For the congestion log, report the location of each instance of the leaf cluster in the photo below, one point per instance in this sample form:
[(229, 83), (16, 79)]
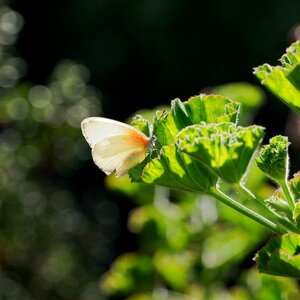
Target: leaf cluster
[(198, 142), (283, 80)]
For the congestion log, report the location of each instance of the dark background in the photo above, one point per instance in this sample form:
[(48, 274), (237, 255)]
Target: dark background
[(145, 53)]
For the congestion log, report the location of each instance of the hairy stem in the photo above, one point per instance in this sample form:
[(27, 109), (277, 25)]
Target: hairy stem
[(288, 195), (246, 211), (281, 222)]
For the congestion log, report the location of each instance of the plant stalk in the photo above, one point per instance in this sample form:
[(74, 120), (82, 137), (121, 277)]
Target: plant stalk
[(288, 195), (246, 211), (281, 222)]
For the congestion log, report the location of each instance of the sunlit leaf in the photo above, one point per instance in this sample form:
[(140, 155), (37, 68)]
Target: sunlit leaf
[(296, 214), (295, 186), (247, 94), (250, 97), (280, 256), (202, 108), (273, 158), (262, 286), (224, 148), (279, 206), (141, 124), (284, 80), (175, 170)]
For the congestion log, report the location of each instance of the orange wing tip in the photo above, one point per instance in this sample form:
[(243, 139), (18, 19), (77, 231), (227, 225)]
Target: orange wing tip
[(139, 139)]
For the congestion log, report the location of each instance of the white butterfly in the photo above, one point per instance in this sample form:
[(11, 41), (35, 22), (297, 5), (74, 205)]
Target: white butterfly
[(116, 146)]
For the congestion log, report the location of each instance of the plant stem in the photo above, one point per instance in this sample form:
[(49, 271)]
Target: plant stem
[(215, 192), (281, 222), (288, 195)]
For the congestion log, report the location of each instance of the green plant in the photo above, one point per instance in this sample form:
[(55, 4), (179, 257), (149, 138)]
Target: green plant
[(201, 148)]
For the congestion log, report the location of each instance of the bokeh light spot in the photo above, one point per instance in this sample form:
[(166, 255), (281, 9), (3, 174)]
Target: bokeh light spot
[(17, 108)]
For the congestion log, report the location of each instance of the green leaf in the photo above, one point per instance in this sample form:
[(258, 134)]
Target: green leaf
[(284, 80), (273, 159), (279, 206), (296, 214), (224, 148), (141, 124), (168, 167), (250, 97), (168, 124), (294, 184), (247, 94), (264, 286), (280, 256), (207, 108), (175, 170)]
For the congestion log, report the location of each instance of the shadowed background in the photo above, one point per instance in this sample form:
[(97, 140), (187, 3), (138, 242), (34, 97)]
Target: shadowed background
[(145, 53)]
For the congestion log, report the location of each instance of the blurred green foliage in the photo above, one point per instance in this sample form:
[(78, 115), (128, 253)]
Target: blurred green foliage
[(190, 247), (50, 248)]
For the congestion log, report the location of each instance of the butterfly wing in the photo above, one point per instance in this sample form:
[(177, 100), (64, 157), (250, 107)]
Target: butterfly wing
[(115, 145), (96, 129), (118, 153)]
